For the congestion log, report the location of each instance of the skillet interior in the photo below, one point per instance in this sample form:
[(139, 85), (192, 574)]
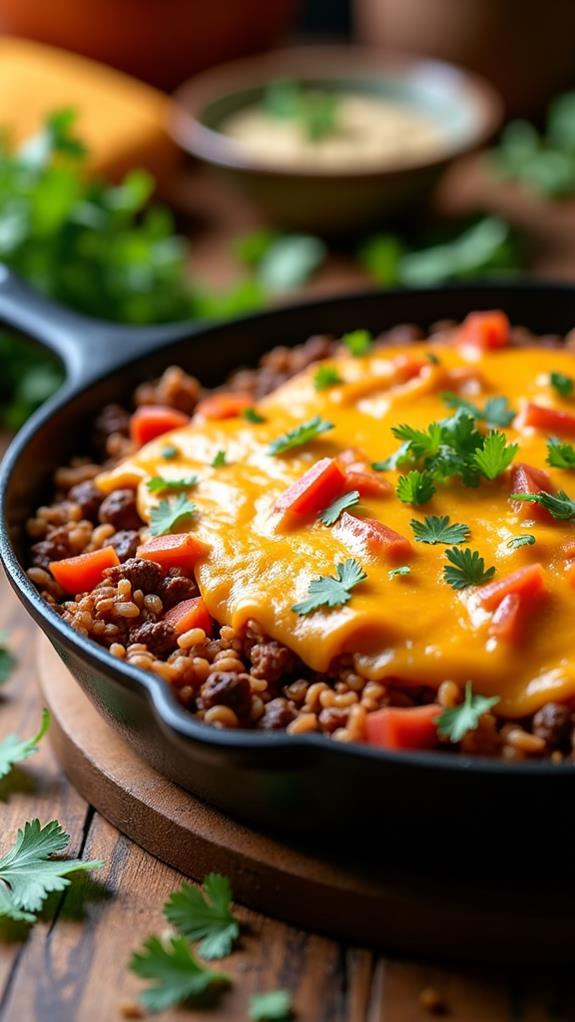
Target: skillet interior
[(305, 784)]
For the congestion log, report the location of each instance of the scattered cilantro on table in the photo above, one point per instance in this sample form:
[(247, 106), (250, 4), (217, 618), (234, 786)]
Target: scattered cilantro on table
[(177, 976), (275, 1006), (300, 435), (327, 591), (560, 454), (205, 915), (438, 529), (7, 659), (455, 722), (466, 568), (169, 513), (558, 504), (14, 749), (544, 162), (325, 377), (159, 485), (331, 514)]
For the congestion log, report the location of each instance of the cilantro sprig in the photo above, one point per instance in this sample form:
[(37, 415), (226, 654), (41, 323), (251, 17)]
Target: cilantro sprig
[(327, 591), (416, 487), (252, 415), (455, 722), (560, 454), (14, 749), (157, 484), (403, 569), (438, 529), (300, 435), (326, 377), (219, 459), (358, 342), (205, 915), (496, 412), (562, 384), (176, 975), (169, 513), (331, 514), (466, 568), (516, 542), (495, 455), (275, 1006), (558, 504)]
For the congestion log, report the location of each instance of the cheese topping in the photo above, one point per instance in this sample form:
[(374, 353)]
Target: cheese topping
[(413, 628)]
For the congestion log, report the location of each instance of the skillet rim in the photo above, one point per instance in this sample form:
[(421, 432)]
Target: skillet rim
[(170, 715)]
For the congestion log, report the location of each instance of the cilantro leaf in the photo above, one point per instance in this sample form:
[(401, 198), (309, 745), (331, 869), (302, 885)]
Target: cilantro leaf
[(169, 513), (7, 660), (467, 568), (422, 443), (495, 455), (358, 342), (170, 452), (273, 1007), (401, 457), (437, 529), (516, 542), (219, 459), (496, 412), (560, 454), (332, 513), (416, 487), (326, 377), (300, 435), (158, 485), (562, 384), (314, 110), (558, 504), (205, 915), (432, 357), (332, 592), (175, 972), (404, 569), (252, 415), (14, 749), (28, 875), (456, 721)]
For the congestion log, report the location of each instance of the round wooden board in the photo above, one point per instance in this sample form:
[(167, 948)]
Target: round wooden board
[(399, 910)]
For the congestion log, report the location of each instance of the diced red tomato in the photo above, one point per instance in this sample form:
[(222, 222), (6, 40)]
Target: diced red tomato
[(379, 539), (527, 582), (80, 574), (484, 330), (189, 614), (367, 483), (552, 420), (314, 491), (150, 421), (408, 368), (508, 619), (529, 479), (403, 728), (180, 549), (224, 406)]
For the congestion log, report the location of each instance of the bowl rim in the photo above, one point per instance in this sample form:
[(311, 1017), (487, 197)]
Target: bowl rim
[(329, 61)]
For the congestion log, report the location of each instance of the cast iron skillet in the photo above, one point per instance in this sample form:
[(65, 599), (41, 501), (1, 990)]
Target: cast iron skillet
[(304, 784)]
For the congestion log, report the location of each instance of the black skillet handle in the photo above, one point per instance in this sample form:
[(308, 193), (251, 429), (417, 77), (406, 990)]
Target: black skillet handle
[(87, 347)]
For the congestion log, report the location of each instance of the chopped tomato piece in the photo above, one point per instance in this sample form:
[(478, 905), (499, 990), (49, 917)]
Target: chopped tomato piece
[(508, 618), (527, 582), (529, 479), (484, 330), (150, 421), (314, 491), (408, 368), (549, 419), (379, 539), (189, 614), (568, 549), (178, 550), (403, 727), (80, 574), (368, 483), (224, 406)]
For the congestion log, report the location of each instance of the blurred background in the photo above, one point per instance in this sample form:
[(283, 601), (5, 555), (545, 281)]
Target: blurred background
[(167, 159)]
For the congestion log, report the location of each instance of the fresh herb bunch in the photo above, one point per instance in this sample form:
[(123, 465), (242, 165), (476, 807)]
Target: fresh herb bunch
[(544, 162)]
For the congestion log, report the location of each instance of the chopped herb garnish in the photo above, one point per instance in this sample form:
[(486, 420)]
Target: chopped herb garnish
[(431, 357), (518, 541), (558, 504), (205, 915), (444, 449), (332, 513), (219, 459), (437, 529), (326, 377), (314, 110), (157, 484), (456, 721), (300, 435), (169, 513), (273, 1007), (7, 660), (175, 972), (170, 452), (496, 412), (562, 384), (327, 591), (401, 457), (251, 415), (495, 455), (416, 487), (560, 454), (358, 342), (422, 443), (404, 569), (467, 568), (14, 749)]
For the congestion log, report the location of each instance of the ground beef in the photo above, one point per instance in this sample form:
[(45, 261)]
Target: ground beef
[(119, 509), (55, 548), (331, 718), (553, 723), (226, 688), (144, 575), (112, 419), (276, 716), (272, 661), (176, 587), (89, 497), (174, 388), (125, 543), (158, 636)]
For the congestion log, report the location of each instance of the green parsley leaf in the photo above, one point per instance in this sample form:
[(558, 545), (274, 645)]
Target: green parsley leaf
[(251, 415), (422, 443), (516, 542), (404, 569), (7, 660), (437, 529), (300, 435), (496, 412), (332, 513), (14, 749), (558, 504), (358, 342), (432, 357), (175, 972), (332, 592), (273, 1007), (560, 454), (495, 455), (158, 485), (219, 459), (169, 513), (326, 377), (401, 457), (467, 568), (170, 452), (205, 915), (456, 721), (416, 487), (28, 875), (562, 384)]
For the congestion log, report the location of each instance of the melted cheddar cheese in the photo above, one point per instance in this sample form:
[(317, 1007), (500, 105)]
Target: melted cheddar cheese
[(415, 628)]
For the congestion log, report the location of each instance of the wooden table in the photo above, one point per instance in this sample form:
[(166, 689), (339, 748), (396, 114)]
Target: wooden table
[(73, 966)]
